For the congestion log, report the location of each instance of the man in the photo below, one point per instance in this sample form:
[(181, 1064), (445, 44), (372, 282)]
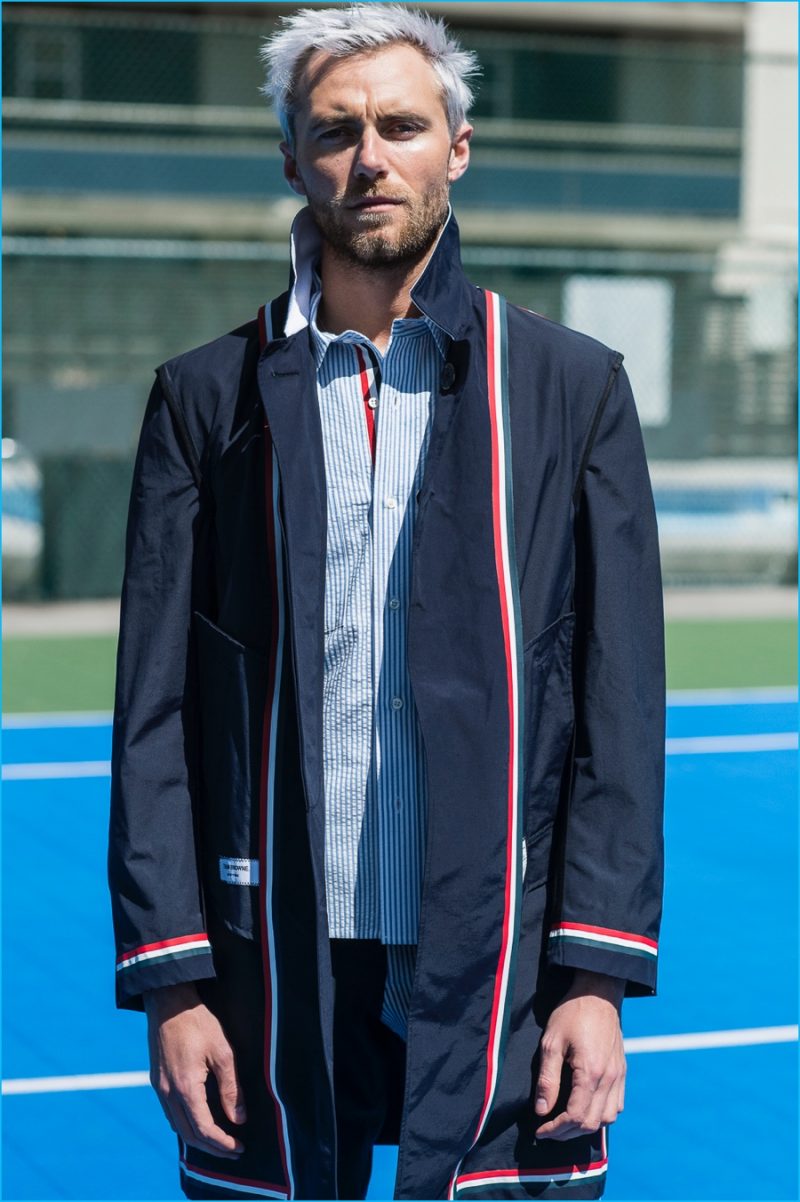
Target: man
[(387, 773)]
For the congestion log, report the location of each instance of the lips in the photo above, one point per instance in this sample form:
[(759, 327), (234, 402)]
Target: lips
[(370, 202)]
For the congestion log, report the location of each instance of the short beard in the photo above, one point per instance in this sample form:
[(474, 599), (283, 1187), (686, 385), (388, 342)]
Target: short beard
[(366, 249)]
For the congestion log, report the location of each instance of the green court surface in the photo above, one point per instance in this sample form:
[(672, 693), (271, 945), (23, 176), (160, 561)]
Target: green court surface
[(50, 674), (735, 653)]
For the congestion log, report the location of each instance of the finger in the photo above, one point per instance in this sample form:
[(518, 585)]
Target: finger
[(616, 1102), (164, 1102), (615, 1095), (603, 1108), (559, 1128), (182, 1126), (548, 1082), (205, 1134), (568, 1123), (223, 1066), (176, 1116), (621, 1103)]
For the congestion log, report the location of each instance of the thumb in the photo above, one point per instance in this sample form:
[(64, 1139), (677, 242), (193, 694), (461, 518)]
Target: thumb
[(549, 1080), (230, 1090)]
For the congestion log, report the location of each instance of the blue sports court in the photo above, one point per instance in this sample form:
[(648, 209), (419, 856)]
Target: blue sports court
[(711, 1102)]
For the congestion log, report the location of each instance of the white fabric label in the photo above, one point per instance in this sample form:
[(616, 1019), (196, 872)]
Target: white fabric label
[(238, 872)]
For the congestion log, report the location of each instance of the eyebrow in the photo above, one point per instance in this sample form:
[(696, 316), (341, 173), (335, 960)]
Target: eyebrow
[(338, 115)]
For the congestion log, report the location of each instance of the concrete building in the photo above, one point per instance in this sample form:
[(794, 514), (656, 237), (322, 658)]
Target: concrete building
[(632, 176)]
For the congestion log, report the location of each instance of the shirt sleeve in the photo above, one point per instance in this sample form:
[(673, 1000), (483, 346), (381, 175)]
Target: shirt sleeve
[(156, 897), (608, 903)]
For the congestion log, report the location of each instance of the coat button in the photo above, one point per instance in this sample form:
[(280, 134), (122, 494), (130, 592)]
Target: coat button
[(447, 378)]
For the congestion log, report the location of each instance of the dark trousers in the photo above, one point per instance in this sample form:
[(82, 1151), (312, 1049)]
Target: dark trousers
[(368, 1062)]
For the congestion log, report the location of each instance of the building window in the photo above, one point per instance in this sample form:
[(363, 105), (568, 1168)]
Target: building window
[(48, 63), (632, 314)]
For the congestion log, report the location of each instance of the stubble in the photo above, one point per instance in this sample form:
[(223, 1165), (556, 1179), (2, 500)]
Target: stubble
[(366, 246)]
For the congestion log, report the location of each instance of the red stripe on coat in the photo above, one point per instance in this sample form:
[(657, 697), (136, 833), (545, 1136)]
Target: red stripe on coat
[(582, 926), (152, 947), (544, 1173)]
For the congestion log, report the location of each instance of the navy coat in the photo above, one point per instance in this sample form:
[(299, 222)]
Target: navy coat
[(535, 648)]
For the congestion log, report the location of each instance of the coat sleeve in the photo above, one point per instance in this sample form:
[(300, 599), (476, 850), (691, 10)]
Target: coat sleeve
[(155, 890), (608, 906)]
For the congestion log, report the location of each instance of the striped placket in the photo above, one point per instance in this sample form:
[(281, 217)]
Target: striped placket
[(375, 411)]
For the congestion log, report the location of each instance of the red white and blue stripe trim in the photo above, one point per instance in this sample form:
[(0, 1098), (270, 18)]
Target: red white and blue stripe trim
[(267, 782), (583, 934), (238, 1185), (508, 588), (563, 1175), (165, 950), (369, 392)]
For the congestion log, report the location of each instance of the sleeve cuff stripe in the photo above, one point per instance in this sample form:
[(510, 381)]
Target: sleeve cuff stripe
[(621, 941), (167, 949)]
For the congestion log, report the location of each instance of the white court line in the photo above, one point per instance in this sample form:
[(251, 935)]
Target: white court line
[(57, 771), (676, 697), (701, 745), (68, 718), (691, 1041), (754, 696), (709, 744), (744, 1038), (77, 1081)]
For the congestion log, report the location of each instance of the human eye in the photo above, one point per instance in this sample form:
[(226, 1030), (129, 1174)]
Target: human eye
[(405, 129), (331, 133)]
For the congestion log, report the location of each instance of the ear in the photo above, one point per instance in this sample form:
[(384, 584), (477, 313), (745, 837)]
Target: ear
[(291, 172), (459, 153)]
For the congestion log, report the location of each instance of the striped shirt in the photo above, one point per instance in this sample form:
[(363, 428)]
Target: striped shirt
[(376, 413)]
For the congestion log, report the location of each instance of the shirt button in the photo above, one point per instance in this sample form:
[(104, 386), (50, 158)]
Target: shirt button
[(397, 703), (394, 603), (390, 503), (397, 803)]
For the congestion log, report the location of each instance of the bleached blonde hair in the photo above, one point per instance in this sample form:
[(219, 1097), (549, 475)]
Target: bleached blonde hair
[(353, 29)]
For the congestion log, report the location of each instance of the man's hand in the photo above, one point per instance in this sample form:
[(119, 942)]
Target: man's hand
[(584, 1032), (187, 1042)]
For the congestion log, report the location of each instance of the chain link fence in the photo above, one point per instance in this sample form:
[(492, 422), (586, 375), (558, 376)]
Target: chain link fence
[(158, 56), (106, 275)]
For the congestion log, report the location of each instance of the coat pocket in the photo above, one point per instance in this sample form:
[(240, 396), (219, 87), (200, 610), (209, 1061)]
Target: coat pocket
[(232, 681), (549, 723), (536, 857)]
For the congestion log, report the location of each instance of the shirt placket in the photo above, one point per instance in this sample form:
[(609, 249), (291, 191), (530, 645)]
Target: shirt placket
[(369, 383), (396, 429), (354, 902)]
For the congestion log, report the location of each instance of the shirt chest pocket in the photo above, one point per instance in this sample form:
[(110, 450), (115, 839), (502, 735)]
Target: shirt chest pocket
[(346, 567)]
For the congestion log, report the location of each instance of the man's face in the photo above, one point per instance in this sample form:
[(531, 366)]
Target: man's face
[(373, 154)]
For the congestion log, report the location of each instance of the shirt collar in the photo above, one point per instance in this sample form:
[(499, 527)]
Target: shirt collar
[(304, 295)]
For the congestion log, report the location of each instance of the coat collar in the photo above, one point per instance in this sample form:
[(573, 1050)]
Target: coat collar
[(442, 291)]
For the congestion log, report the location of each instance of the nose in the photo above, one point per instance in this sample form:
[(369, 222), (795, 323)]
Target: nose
[(370, 159)]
